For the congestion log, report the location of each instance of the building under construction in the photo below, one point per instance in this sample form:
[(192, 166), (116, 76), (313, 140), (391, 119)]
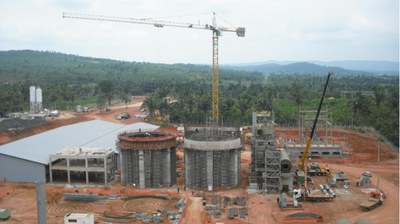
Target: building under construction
[(148, 159), (87, 165), (270, 168), (212, 157), (322, 142)]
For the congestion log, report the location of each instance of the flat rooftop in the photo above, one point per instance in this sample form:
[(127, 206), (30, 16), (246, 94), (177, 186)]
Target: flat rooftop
[(84, 151)]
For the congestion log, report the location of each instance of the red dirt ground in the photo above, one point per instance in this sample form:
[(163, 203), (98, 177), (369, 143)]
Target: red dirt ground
[(21, 200)]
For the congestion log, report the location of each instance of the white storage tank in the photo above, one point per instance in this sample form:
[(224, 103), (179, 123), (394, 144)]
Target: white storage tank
[(38, 99), (32, 98), (79, 218)]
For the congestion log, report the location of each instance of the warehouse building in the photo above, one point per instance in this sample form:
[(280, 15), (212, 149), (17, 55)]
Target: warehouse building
[(27, 160)]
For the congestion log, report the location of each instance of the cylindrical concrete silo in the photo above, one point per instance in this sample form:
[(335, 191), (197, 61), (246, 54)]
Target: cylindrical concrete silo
[(212, 157), (148, 159), (32, 99), (39, 101)]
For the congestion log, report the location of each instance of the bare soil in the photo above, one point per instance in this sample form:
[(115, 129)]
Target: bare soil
[(20, 198)]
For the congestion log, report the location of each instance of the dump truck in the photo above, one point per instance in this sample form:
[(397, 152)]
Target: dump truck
[(375, 199)]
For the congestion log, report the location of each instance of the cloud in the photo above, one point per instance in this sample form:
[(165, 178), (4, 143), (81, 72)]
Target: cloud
[(280, 30)]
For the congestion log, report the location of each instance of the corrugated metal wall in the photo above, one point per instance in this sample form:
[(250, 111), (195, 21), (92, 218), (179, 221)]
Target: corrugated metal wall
[(19, 170)]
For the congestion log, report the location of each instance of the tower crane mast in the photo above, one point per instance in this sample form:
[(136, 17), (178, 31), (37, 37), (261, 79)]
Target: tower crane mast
[(216, 32)]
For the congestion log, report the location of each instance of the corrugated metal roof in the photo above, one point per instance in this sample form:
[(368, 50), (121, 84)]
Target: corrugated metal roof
[(94, 133)]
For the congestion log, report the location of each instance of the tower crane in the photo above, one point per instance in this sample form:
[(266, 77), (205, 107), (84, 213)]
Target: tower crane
[(216, 32)]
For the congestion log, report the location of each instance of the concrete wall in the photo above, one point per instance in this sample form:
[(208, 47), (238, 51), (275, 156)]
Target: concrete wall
[(19, 170)]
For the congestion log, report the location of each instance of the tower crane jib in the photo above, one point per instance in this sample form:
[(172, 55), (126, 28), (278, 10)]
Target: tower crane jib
[(216, 32)]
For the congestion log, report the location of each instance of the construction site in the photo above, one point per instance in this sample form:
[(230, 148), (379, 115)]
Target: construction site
[(113, 170), (225, 181)]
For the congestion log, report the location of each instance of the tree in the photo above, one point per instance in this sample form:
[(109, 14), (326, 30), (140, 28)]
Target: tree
[(297, 92), (379, 94), (150, 104), (126, 98), (107, 89)]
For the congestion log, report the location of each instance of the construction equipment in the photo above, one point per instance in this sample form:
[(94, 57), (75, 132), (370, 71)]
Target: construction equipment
[(313, 169), (375, 199), (309, 139), (365, 179), (315, 196), (216, 32)]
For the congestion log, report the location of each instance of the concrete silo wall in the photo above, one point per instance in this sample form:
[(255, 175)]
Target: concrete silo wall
[(215, 164)]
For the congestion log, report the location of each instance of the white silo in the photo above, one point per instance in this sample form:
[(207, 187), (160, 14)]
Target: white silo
[(39, 101), (32, 99)]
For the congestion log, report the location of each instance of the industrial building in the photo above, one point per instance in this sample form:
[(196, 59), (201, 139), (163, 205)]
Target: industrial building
[(212, 157), (270, 168), (86, 165), (33, 153), (322, 142), (148, 159), (316, 150)]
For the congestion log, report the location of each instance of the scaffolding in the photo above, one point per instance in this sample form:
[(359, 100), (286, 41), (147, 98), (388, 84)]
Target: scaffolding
[(147, 159), (272, 177), (212, 157), (265, 167)]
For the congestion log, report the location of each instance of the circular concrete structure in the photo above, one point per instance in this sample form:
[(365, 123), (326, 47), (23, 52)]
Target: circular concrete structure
[(148, 159), (212, 157)]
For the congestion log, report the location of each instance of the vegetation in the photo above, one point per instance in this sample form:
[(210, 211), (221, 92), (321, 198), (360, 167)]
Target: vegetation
[(68, 80)]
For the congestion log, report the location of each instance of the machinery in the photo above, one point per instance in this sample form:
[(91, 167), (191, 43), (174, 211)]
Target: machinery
[(340, 177), (309, 139), (313, 169), (375, 199), (216, 32), (365, 179), (283, 201), (315, 196), (324, 194)]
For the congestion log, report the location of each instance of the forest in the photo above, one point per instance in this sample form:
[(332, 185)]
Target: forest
[(69, 80)]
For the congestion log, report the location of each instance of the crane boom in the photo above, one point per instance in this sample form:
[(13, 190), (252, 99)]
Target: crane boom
[(309, 139), (240, 32)]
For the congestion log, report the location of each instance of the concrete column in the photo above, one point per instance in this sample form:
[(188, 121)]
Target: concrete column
[(210, 166), (141, 169), (122, 165), (41, 202), (167, 171), (105, 170), (188, 168), (68, 174), (86, 170), (233, 163), (236, 167), (50, 171)]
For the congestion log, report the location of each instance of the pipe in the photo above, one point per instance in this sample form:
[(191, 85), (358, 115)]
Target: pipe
[(286, 164)]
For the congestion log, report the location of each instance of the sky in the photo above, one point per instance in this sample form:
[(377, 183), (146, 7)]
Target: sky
[(285, 30)]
